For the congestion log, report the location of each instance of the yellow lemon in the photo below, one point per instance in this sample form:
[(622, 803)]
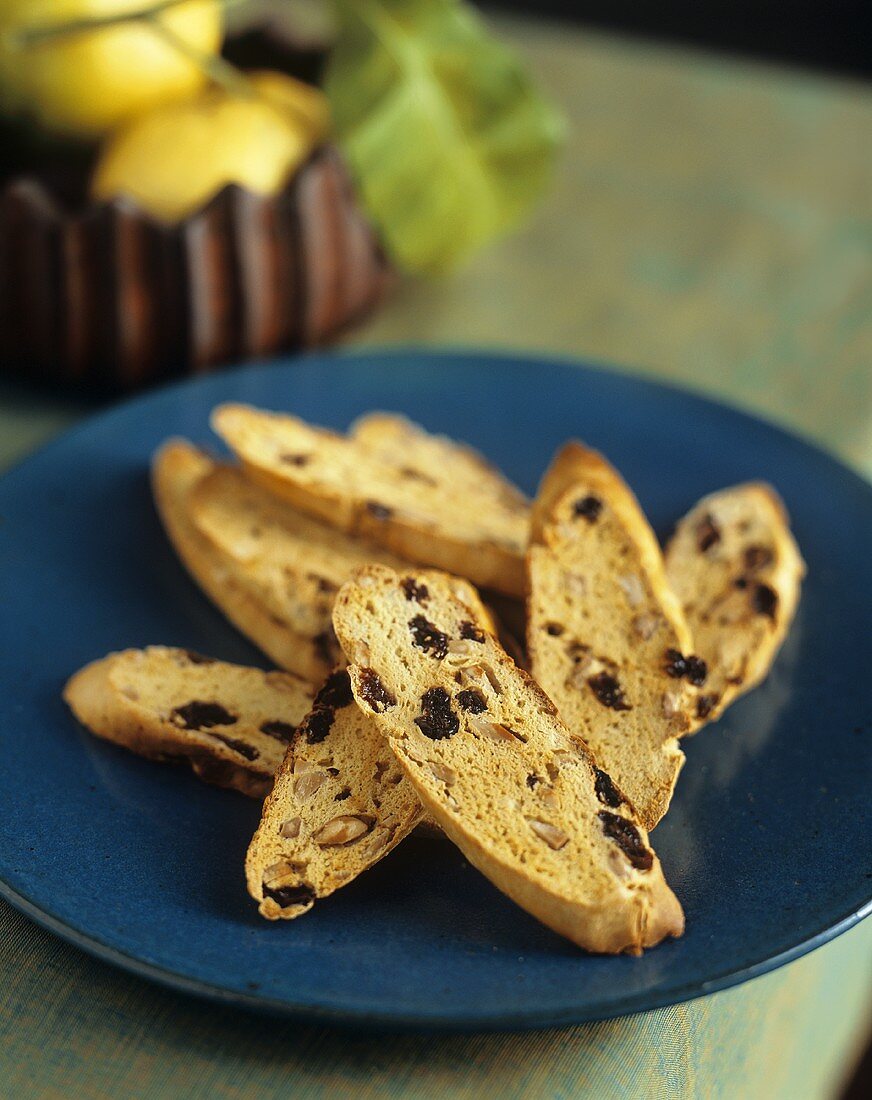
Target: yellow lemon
[(173, 159), (303, 102), (87, 81)]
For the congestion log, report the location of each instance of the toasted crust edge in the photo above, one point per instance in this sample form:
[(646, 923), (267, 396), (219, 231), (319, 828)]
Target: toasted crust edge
[(177, 467)]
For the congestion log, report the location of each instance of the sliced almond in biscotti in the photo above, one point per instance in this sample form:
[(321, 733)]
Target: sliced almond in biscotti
[(607, 639), (177, 469), (340, 803), (294, 563), (424, 509), (497, 769), (231, 724), (737, 570)]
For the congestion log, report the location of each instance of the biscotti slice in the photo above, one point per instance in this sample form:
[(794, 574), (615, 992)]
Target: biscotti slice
[(295, 563), (231, 724), (737, 570), (177, 469), (607, 639), (340, 803), (426, 512), (497, 769), (408, 447)]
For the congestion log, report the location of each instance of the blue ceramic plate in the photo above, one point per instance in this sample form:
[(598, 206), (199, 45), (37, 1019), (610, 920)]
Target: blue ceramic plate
[(767, 841)]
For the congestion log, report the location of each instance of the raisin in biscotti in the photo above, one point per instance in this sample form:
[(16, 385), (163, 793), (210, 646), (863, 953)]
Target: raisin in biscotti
[(737, 570), (340, 803), (294, 563), (607, 638), (231, 724), (496, 768), (432, 512)]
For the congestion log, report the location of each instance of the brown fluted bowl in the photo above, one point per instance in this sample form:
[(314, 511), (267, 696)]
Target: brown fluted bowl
[(107, 297)]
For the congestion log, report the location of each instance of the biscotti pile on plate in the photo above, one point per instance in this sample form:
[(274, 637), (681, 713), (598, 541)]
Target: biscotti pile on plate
[(365, 567)]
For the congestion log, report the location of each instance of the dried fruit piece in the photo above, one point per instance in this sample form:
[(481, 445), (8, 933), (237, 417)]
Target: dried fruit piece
[(286, 896), (588, 507), (379, 511), (553, 836), (341, 830), (437, 720), (373, 692), (625, 834), (336, 691), (757, 557), (708, 534), (427, 636), (281, 731), (242, 747), (765, 600), (198, 715), (693, 669), (705, 704), (290, 828), (472, 701), (470, 632), (554, 629), (605, 789), (334, 694), (608, 691), (317, 724), (414, 591)]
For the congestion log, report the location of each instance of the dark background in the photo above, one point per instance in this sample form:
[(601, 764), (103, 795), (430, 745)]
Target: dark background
[(833, 35)]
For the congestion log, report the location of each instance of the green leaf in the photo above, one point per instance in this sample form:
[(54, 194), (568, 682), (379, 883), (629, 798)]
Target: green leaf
[(448, 139)]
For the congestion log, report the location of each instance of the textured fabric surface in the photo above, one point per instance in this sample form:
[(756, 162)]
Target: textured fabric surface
[(708, 225), (70, 1026)]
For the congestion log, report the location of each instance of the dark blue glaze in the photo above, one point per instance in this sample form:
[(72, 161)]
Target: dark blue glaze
[(767, 842)]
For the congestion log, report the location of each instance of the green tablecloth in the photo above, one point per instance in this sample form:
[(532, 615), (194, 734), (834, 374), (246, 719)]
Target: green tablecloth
[(711, 225)]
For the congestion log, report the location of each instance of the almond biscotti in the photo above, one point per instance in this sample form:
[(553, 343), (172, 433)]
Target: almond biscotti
[(177, 469), (426, 506), (293, 563), (231, 724), (607, 639), (340, 803), (737, 570), (495, 766)]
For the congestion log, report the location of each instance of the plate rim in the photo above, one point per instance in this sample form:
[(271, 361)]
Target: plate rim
[(365, 1019), (456, 1021), (482, 353)]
